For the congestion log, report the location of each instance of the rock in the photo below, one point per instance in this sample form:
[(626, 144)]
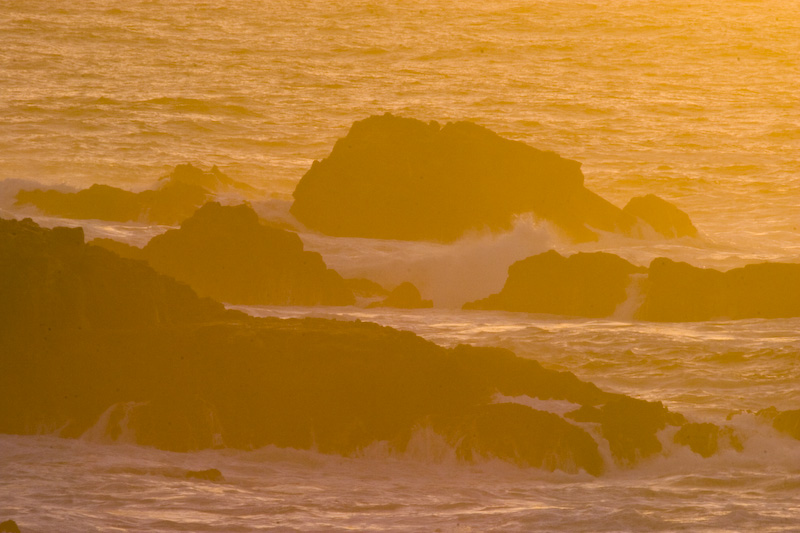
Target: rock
[(706, 439), (210, 180), (101, 344), (523, 436), (399, 178), (9, 526), (50, 278), (788, 422), (212, 474), (404, 296), (630, 426), (365, 288), (225, 253), (584, 284), (662, 216), (169, 204), (681, 292)]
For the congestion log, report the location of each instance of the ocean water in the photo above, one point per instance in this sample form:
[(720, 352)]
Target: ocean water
[(693, 101)]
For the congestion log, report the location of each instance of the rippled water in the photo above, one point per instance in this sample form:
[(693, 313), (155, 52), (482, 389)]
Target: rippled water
[(693, 101)]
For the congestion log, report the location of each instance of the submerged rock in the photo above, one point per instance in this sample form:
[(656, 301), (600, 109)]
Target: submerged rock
[(584, 284), (400, 178), (662, 216), (211, 180), (404, 296), (227, 254), (681, 292)]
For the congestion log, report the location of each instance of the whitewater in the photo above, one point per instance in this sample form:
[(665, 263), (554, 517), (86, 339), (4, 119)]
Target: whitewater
[(694, 102)]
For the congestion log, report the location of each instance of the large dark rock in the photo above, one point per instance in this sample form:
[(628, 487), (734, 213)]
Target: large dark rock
[(225, 253), (51, 279), (681, 292), (584, 284), (404, 296), (662, 216), (94, 342), (183, 190), (400, 178)]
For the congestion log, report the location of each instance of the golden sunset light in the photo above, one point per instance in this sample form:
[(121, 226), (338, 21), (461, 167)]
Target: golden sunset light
[(399, 266)]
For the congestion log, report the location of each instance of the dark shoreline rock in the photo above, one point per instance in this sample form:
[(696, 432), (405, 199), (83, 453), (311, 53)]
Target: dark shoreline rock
[(95, 341), (400, 178)]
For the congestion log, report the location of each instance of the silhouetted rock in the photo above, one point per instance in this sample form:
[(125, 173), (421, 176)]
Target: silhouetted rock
[(630, 426), (9, 526), (663, 216), (399, 178), (681, 292), (226, 254), (524, 436), (212, 474), (170, 204), (181, 192), (51, 278), (705, 439), (365, 288), (211, 180), (584, 284), (404, 296), (94, 342)]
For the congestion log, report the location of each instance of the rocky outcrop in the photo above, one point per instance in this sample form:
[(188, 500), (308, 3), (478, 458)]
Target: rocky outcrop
[(94, 342), (400, 178), (404, 296), (51, 279), (225, 253), (681, 292), (584, 284), (183, 190), (664, 217)]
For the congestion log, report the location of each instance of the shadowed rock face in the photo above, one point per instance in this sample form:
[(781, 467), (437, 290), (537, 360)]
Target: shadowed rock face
[(662, 216), (225, 253), (585, 284), (681, 292), (184, 190), (706, 439), (399, 178), (94, 341), (404, 296)]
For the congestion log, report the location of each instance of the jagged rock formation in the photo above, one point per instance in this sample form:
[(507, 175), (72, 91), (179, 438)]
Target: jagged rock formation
[(404, 296), (92, 341), (400, 178), (184, 190), (681, 292), (662, 216), (225, 253), (584, 284)]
